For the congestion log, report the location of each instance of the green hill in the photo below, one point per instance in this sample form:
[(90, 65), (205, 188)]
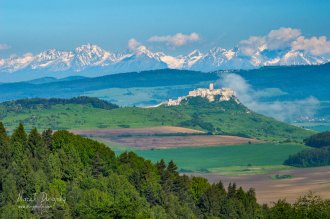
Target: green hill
[(226, 117)]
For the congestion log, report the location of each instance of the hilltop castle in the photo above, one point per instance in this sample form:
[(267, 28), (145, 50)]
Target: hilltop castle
[(223, 94)]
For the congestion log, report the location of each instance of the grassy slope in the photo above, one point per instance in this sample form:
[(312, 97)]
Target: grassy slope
[(225, 117), (232, 118), (73, 116)]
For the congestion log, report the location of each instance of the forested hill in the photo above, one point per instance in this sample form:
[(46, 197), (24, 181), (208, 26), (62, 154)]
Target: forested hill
[(225, 118), (61, 175), (34, 103)]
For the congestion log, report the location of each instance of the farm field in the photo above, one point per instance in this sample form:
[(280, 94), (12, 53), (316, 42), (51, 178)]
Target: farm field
[(193, 151), (295, 183), (161, 137), (207, 159), (164, 142)]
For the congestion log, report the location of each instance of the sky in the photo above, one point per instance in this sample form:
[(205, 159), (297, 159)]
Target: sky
[(172, 26)]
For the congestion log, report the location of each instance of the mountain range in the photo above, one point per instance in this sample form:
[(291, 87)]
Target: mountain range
[(91, 60)]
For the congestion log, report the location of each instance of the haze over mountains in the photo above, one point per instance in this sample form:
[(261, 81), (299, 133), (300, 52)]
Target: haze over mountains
[(92, 60)]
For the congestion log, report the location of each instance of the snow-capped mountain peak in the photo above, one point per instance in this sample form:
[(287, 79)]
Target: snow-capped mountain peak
[(195, 53), (53, 59), (142, 58), (193, 57), (91, 48), (92, 55), (143, 50)]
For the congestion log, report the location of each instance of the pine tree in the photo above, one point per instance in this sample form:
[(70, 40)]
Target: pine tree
[(221, 188), (19, 135), (3, 132), (18, 142), (35, 144), (161, 166), (231, 190), (5, 153), (172, 168), (47, 137), (98, 166)]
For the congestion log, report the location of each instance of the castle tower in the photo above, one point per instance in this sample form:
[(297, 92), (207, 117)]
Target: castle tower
[(211, 87)]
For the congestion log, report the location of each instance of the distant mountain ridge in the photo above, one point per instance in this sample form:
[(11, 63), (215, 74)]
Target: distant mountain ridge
[(92, 60), (69, 87), (308, 81)]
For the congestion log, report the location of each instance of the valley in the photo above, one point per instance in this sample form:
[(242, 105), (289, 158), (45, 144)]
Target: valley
[(248, 164)]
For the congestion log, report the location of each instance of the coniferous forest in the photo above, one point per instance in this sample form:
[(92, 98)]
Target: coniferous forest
[(62, 175)]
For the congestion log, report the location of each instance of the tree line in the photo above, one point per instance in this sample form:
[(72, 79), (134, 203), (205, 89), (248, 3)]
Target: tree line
[(32, 103), (319, 155), (62, 175)]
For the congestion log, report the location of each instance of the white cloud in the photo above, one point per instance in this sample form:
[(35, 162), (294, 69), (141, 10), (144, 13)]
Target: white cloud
[(252, 45), (281, 110), (313, 45), (176, 40), (282, 38), (275, 39), (285, 38), (4, 46), (133, 44)]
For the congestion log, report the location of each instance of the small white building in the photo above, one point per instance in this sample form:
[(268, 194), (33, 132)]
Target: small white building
[(211, 87)]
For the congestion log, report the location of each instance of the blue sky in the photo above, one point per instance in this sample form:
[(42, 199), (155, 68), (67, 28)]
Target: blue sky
[(36, 25)]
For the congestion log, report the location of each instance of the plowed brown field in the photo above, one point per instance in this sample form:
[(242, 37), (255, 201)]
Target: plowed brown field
[(162, 137)]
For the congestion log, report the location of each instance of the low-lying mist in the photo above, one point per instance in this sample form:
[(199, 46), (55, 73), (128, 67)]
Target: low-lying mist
[(281, 110)]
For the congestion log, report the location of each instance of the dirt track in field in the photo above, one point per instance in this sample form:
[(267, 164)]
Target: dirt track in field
[(149, 142), (269, 190), (136, 131), (171, 137)]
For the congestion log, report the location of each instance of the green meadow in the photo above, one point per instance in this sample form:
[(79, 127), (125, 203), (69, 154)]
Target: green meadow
[(227, 160)]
